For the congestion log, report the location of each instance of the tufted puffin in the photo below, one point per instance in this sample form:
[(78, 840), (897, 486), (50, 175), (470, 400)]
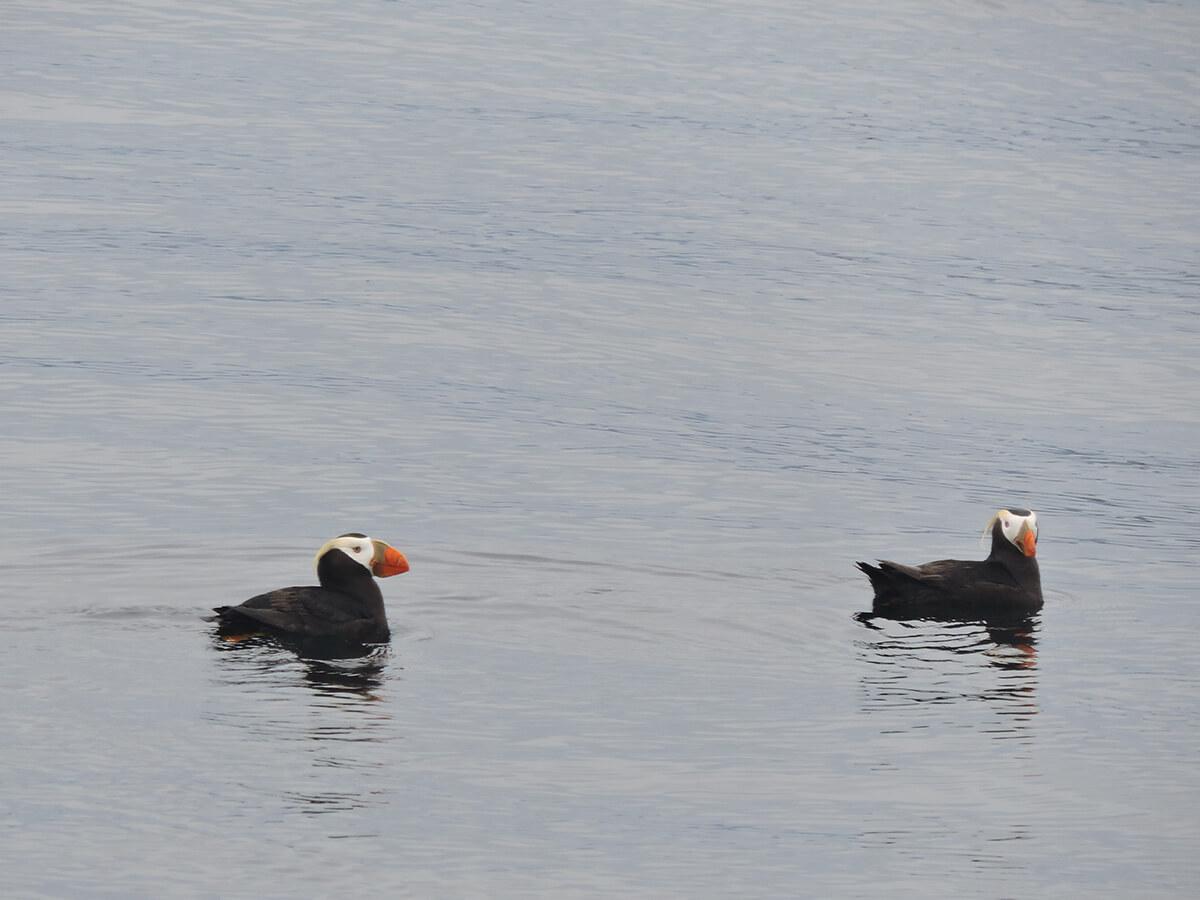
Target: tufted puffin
[(348, 604), (1007, 583)]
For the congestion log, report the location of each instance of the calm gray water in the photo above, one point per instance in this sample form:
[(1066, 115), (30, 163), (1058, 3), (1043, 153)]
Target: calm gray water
[(633, 325)]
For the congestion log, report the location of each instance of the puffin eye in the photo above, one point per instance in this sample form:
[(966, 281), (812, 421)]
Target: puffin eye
[(358, 549)]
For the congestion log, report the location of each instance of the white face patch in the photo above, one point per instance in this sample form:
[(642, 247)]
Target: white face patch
[(359, 549), (1011, 523)]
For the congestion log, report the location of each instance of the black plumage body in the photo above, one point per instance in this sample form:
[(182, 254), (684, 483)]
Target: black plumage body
[(1007, 583), (347, 605)]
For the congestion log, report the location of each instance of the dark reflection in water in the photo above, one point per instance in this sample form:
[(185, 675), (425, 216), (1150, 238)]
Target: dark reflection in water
[(951, 661), (1011, 640), (329, 666), (329, 678), (321, 697)]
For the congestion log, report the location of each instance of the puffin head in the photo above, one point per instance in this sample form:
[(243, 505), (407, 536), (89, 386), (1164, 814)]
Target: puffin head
[(377, 557), (1019, 526)]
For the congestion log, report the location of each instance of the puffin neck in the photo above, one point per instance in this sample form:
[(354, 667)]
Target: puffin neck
[(1002, 546), (1004, 550), (337, 570)]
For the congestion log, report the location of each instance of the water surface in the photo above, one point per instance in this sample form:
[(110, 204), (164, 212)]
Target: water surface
[(633, 327)]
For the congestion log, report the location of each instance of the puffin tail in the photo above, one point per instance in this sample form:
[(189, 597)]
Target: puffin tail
[(878, 577)]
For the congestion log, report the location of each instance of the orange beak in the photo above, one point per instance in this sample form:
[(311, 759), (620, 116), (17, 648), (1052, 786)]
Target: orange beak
[(388, 561), (1028, 543)]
